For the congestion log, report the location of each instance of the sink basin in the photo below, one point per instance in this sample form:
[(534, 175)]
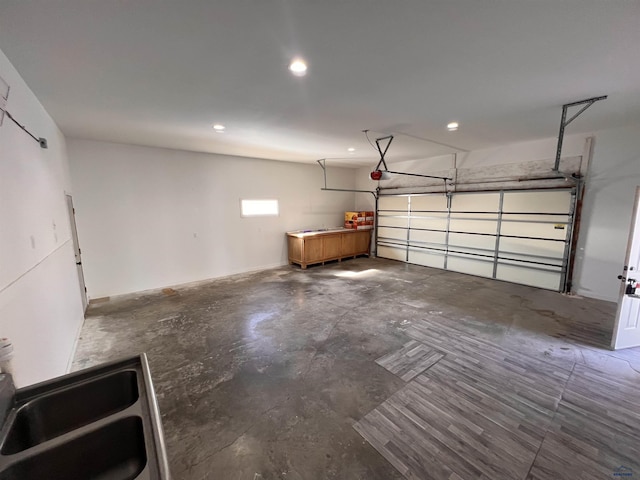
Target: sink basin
[(89, 456), (52, 415), (101, 423)]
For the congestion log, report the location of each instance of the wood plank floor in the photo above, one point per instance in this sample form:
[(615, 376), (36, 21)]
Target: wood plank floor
[(412, 359), (482, 411), (596, 429)]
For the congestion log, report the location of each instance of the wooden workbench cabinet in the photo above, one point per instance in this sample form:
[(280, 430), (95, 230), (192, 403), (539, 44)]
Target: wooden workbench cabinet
[(308, 248)]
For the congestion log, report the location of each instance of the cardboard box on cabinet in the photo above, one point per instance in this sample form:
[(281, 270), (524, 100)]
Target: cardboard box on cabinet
[(350, 216), (358, 226), (359, 217)]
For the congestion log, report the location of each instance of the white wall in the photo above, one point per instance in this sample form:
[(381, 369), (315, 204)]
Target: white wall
[(150, 217), (40, 303), (608, 206), (614, 173)]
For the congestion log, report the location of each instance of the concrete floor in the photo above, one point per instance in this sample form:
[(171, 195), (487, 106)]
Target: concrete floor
[(262, 376)]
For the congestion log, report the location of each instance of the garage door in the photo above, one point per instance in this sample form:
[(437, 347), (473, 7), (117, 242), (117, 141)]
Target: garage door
[(518, 236)]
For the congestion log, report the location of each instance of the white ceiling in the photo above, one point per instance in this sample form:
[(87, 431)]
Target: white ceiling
[(160, 73)]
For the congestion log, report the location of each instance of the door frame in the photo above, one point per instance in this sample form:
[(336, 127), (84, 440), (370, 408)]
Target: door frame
[(76, 250), (625, 275)]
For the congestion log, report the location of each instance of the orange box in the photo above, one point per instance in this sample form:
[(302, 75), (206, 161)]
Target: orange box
[(359, 217), (351, 216), (357, 226)]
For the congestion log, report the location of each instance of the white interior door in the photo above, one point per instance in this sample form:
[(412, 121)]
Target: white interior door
[(626, 332), (76, 250)]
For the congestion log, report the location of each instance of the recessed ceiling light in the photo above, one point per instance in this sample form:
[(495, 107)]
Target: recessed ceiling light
[(218, 127), (452, 127), (351, 149), (298, 67)]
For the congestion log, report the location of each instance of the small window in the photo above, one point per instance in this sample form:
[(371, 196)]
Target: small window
[(259, 208)]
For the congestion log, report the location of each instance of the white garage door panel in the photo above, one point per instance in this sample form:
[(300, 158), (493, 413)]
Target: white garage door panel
[(538, 230), (396, 233), (431, 223), (529, 229), (426, 258), (394, 253), (527, 276), (527, 262), (544, 201), (533, 218), (429, 203), (474, 216), (393, 203), (421, 236), (475, 202), (470, 265), (525, 246), (384, 221), (473, 226), (473, 253), (478, 241)]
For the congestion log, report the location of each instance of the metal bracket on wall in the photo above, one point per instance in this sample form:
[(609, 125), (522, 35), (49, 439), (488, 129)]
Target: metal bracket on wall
[(322, 163), (564, 122), (4, 97), (42, 141)]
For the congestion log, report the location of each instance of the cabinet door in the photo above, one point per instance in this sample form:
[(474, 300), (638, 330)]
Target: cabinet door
[(349, 244), (332, 246), (295, 248), (362, 241), (313, 250)]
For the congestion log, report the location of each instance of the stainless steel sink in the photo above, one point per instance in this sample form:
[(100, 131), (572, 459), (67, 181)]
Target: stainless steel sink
[(100, 423), (51, 415), (115, 451)]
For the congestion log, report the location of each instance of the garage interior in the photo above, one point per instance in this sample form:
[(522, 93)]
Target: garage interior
[(485, 323)]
